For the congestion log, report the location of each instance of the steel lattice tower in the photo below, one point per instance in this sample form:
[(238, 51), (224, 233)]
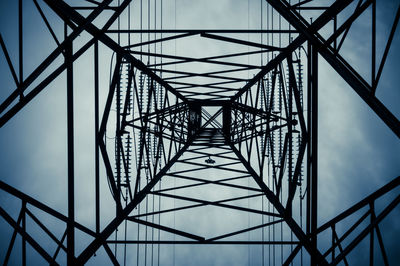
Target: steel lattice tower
[(195, 146)]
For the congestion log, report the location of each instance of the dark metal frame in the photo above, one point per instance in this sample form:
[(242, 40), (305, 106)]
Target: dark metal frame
[(169, 113)]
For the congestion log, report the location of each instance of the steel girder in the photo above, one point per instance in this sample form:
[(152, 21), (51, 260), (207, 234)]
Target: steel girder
[(360, 86), (308, 33)]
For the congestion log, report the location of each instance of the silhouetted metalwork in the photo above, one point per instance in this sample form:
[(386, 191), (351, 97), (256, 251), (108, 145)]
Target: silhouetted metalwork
[(264, 130)]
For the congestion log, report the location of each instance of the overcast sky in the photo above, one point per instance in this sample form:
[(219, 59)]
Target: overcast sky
[(357, 152)]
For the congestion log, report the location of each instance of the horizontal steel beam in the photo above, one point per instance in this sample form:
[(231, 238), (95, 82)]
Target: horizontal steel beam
[(199, 31), (170, 242)]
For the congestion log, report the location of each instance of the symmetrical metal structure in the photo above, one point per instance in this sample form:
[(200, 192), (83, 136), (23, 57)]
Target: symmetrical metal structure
[(241, 129)]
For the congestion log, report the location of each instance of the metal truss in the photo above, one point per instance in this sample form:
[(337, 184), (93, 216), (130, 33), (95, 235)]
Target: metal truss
[(260, 143)]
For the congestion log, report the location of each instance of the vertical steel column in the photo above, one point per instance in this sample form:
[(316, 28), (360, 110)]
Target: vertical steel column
[(335, 29), (118, 133), (194, 119), (116, 143), (312, 153), (373, 46), (23, 221), (290, 138), (96, 134), (371, 235), (227, 121), (20, 47), (70, 141), (308, 174)]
